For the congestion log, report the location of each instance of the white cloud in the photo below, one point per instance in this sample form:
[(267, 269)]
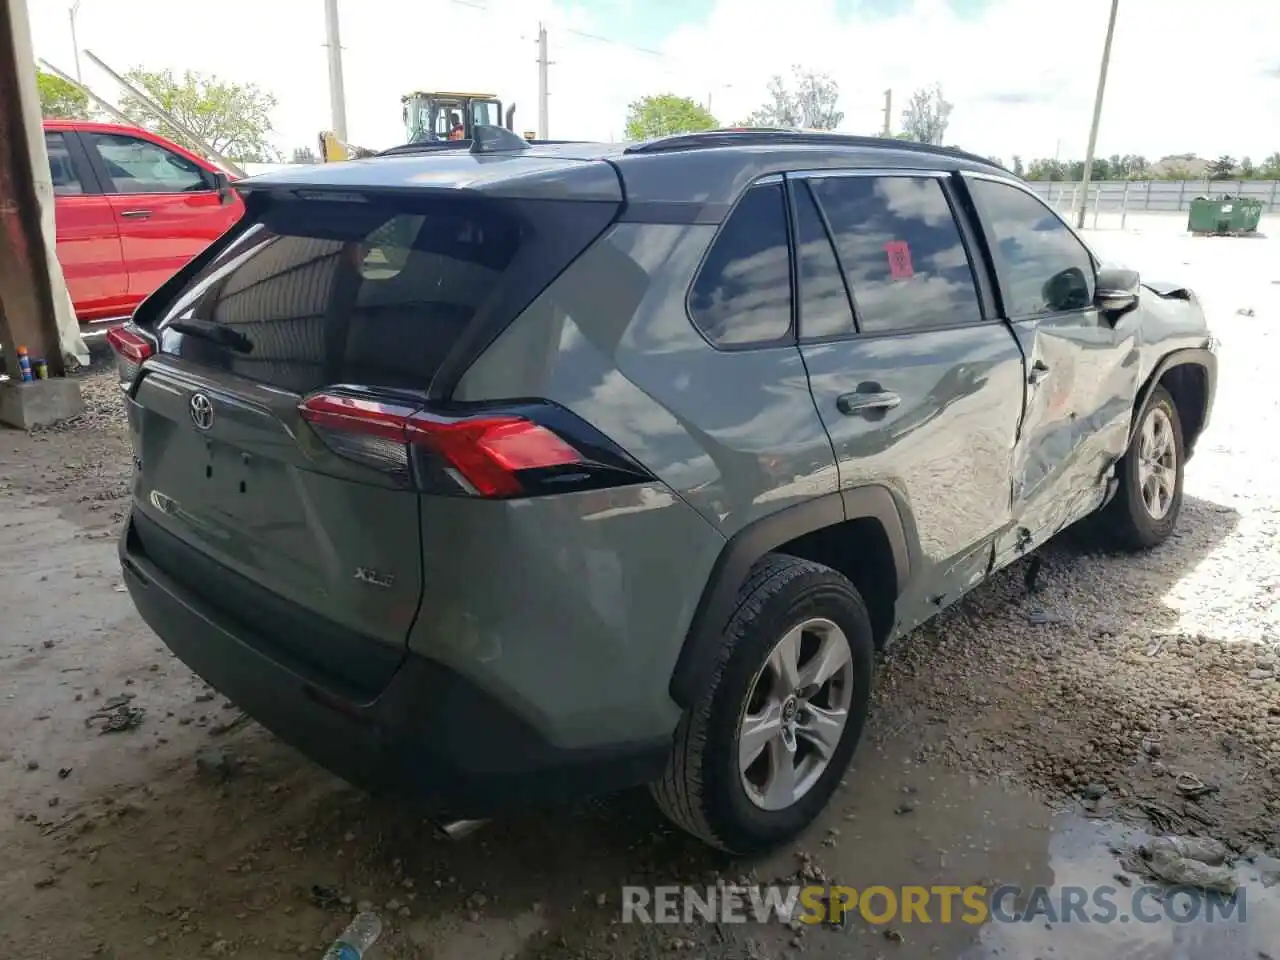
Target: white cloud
[(1183, 78)]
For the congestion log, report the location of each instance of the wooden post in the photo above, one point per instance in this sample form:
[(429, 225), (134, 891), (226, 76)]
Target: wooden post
[(27, 315)]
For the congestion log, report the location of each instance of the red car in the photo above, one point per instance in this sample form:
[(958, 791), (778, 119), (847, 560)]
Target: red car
[(132, 207)]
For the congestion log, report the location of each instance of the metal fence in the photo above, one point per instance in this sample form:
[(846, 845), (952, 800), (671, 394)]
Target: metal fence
[(1155, 196)]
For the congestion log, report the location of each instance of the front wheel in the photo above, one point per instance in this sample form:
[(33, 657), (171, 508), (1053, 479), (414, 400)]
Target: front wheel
[(1145, 509), (756, 759)]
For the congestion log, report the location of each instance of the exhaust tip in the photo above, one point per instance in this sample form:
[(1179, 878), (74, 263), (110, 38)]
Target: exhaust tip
[(459, 829)]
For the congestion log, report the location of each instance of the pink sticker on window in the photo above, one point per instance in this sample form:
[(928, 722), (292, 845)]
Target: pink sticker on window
[(899, 260)]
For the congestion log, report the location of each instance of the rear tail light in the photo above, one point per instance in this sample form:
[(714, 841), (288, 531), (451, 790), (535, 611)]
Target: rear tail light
[(129, 344), (489, 452), (130, 347), (499, 452)]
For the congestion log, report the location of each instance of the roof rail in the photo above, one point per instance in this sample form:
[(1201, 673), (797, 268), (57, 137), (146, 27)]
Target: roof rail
[(774, 136), (425, 146), (441, 146)]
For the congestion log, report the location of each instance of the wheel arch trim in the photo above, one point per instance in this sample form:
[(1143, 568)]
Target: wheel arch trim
[(1201, 357), (698, 654)]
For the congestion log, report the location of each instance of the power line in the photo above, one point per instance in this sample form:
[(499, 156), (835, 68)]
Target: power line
[(584, 34), (614, 43)]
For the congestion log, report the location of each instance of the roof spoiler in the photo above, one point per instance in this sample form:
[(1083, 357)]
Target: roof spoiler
[(490, 139)]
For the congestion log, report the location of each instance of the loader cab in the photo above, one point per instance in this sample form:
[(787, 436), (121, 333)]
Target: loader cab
[(431, 116)]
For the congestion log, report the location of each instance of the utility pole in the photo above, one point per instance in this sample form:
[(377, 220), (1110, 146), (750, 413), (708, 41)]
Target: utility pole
[(1097, 116), (888, 109), (337, 95), (544, 94), (75, 45)]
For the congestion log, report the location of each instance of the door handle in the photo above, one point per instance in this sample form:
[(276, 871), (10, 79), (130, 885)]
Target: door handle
[(1039, 370), (135, 214), (857, 402)]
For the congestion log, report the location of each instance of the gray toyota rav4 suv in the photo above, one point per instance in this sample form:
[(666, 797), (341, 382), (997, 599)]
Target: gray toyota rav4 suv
[(525, 472)]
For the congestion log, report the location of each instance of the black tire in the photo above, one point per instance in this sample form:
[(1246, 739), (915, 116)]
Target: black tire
[(702, 790), (1126, 522)]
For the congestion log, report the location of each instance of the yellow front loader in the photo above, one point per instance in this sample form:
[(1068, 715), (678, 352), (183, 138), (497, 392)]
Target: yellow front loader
[(431, 117)]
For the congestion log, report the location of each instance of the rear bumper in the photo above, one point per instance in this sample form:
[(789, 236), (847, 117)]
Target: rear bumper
[(430, 732)]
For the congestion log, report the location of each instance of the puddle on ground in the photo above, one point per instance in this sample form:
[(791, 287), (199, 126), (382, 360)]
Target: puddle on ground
[(902, 824), (1143, 921)]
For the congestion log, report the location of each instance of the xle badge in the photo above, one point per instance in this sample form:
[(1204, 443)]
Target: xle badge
[(373, 577)]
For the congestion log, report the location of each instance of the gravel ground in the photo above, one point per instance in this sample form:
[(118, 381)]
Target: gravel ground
[(196, 834)]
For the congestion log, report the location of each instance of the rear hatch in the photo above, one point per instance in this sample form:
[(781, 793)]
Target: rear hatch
[(274, 416)]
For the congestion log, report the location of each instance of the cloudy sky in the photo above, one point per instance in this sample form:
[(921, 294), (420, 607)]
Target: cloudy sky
[(1186, 75)]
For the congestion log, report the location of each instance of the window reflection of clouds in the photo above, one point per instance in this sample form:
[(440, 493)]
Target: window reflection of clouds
[(914, 198), (743, 292), (1033, 246), (824, 303), (868, 212)]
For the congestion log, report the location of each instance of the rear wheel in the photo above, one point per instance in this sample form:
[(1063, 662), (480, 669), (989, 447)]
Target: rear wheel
[(1145, 509), (757, 758)]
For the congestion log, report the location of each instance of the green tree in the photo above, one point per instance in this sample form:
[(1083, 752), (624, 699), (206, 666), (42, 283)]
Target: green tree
[(304, 155), (1047, 170), (1018, 169), (810, 102), (664, 114), (1222, 168), (1271, 167), (60, 100), (233, 118), (1248, 169), (1135, 167), (927, 115)]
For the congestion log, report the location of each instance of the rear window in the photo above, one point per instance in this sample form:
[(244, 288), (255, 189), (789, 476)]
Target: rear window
[(324, 291)]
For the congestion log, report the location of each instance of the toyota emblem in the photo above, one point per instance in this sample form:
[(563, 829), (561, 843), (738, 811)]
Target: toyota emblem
[(201, 411)]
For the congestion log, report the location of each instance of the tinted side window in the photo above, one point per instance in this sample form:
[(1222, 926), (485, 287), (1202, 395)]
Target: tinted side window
[(1043, 267), (140, 166), (63, 171), (901, 252), (824, 302), (743, 292)]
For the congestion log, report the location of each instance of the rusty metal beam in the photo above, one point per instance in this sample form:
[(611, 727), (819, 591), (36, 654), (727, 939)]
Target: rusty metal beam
[(27, 314)]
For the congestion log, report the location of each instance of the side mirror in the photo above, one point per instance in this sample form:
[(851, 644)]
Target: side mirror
[(1117, 290), (222, 184)]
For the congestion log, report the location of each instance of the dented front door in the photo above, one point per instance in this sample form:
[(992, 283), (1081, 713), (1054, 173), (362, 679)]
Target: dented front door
[(1080, 365)]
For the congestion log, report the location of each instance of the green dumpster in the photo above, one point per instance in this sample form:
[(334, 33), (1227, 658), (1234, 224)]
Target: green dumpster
[(1224, 215)]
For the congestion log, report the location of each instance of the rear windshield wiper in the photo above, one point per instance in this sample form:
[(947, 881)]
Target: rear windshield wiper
[(222, 336)]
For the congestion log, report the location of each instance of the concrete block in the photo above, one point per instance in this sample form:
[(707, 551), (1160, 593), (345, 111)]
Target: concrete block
[(40, 402)]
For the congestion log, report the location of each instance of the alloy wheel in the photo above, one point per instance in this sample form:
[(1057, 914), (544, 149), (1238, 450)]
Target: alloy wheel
[(1157, 464), (795, 714)]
